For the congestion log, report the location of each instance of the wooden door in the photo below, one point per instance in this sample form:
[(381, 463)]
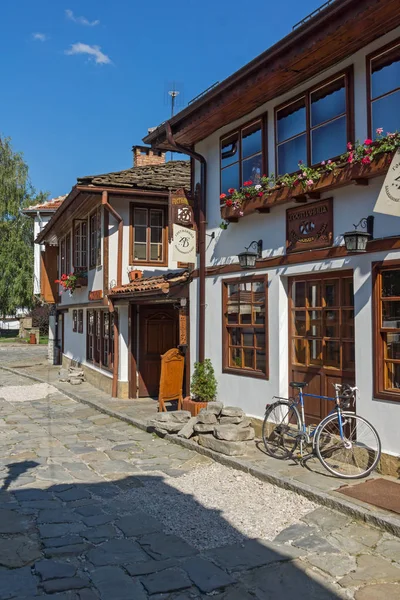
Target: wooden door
[(321, 332), (158, 332)]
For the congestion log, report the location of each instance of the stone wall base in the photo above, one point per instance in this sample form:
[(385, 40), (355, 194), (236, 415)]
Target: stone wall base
[(99, 380)]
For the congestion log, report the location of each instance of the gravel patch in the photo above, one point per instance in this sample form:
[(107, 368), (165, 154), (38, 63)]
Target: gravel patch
[(215, 506), (26, 393)]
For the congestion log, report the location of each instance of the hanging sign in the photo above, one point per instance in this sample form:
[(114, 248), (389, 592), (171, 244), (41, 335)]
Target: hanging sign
[(95, 295), (388, 201), (310, 226), (183, 244)]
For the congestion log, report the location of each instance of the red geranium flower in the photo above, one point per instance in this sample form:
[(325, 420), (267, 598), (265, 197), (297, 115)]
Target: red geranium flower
[(228, 203), (231, 190), (368, 142), (222, 196), (366, 160), (260, 194)]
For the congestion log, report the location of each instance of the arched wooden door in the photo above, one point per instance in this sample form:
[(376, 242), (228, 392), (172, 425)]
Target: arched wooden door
[(158, 332)]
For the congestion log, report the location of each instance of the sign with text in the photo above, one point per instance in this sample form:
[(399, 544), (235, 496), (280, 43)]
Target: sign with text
[(96, 295), (183, 244), (388, 201), (310, 226)]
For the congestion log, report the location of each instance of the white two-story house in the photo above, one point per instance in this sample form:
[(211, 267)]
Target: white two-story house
[(122, 301), (304, 306)]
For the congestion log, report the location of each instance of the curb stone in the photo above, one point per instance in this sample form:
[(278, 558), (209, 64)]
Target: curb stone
[(383, 522)]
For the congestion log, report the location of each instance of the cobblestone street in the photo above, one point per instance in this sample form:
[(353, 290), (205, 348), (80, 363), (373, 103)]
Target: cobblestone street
[(91, 507)]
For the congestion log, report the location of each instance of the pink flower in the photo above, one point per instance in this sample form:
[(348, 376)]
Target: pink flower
[(241, 213), (391, 135), (351, 158), (329, 162), (310, 182), (379, 131), (366, 160), (304, 174), (323, 162), (349, 146), (260, 194), (222, 196), (368, 142)]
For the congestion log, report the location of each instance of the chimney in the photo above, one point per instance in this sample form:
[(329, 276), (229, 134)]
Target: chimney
[(144, 156)]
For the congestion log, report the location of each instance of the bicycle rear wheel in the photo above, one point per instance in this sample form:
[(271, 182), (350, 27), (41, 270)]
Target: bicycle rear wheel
[(280, 429), (352, 457)]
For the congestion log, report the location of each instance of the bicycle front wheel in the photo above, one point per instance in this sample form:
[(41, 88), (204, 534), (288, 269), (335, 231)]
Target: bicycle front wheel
[(355, 454), (280, 429)]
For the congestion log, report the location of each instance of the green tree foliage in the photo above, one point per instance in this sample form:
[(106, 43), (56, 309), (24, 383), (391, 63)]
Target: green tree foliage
[(16, 231), (204, 384)]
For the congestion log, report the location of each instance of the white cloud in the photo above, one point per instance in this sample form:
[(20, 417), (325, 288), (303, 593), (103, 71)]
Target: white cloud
[(94, 53), (39, 37), (80, 20)]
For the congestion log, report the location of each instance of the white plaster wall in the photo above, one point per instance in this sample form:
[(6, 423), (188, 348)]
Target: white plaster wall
[(38, 225)]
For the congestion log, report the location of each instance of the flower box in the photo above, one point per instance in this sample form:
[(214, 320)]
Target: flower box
[(81, 282), (192, 406)]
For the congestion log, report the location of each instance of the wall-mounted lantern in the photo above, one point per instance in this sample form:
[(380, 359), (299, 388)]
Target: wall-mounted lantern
[(247, 260), (356, 241)]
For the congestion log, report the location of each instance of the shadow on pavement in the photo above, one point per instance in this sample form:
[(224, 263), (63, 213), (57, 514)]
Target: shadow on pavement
[(15, 470)]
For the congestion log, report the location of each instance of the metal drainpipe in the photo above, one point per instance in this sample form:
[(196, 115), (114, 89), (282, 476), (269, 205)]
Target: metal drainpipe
[(202, 235)]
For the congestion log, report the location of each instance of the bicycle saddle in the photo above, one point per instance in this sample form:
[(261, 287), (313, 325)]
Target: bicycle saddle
[(298, 384)]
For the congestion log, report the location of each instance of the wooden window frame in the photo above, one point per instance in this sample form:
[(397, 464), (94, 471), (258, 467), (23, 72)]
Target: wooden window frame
[(370, 57), (98, 338), (348, 74), (263, 119), (94, 236), (247, 372), (65, 254), (148, 262), (74, 320), (80, 320), (80, 254), (378, 343)]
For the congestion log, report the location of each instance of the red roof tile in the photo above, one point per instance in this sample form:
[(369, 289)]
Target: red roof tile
[(157, 283), (50, 205)]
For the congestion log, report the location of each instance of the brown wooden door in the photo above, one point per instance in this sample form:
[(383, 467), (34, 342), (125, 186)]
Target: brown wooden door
[(321, 331), (158, 332)]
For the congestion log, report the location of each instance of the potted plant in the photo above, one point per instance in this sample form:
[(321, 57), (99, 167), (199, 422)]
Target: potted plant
[(203, 387), (81, 277), (68, 282), (134, 274)]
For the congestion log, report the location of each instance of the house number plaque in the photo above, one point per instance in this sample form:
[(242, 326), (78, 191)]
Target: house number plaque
[(309, 226)]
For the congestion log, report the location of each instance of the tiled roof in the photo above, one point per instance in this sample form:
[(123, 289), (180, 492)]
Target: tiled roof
[(50, 205), (157, 283), (173, 174)]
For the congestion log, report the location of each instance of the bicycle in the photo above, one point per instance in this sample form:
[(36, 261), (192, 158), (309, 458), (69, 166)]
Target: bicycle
[(347, 445)]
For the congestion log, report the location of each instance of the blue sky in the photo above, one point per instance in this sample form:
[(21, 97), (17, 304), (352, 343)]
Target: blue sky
[(83, 80)]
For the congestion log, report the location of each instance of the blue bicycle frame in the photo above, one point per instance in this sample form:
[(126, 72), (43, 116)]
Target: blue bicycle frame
[(337, 410)]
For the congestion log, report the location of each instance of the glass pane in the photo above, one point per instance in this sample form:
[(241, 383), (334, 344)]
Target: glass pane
[(328, 141), (391, 314), (385, 74), (347, 292), (315, 323), (156, 235), (251, 170), (314, 294), (348, 324), (245, 318), (155, 252), (258, 288), (106, 324), (392, 376), (299, 347), (139, 252), (386, 114), (156, 218), (300, 322), (260, 361), (393, 346), (248, 358), (230, 178), (248, 336), (391, 283), (260, 340), (234, 336), (291, 120), (331, 323), (328, 102), (140, 216), (235, 357), (230, 150), (259, 315), (315, 352), (331, 293), (299, 293), (332, 354), (251, 140), (348, 356), (290, 153), (140, 234)]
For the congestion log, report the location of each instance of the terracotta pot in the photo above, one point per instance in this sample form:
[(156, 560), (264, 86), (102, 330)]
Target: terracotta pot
[(135, 274), (192, 406)]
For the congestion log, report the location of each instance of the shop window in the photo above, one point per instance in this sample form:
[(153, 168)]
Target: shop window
[(80, 321), (387, 326), (384, 90), (80, 245), (315, 126), (95, 239), (75, 320), (245, 329), (148, 236), (100, 338), (243, 156)]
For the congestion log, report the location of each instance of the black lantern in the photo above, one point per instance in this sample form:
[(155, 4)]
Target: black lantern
[(247, 260), (356, 241)]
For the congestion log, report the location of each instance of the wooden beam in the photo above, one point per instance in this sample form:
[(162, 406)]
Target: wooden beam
[(116, 356), (361, 181)]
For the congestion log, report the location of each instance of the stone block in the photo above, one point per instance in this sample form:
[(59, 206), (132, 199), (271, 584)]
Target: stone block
[(52, 569), (231, 420), (116, 552), (188, 429), (205, 575), (232, 433), (169, 580), (64, 584), (138, 523), (166, 426), (162, 546), (245, 423), (250, 555), (206, 417), (215, 407), (112, 582), (232, 411), (17, 583), (222, 446), (174, 416), (204, 427)]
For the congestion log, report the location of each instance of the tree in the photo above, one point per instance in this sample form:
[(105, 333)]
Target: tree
[(16, 231)]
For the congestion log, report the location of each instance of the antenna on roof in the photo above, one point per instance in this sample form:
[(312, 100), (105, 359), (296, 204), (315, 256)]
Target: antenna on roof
[(174, 97)]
